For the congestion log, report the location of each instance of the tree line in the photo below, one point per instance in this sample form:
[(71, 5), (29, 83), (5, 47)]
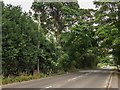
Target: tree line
[(59, 36)]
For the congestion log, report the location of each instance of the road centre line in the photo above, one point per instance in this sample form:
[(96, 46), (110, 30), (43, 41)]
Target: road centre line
[(77, 77), (108, 81), (46, 88)]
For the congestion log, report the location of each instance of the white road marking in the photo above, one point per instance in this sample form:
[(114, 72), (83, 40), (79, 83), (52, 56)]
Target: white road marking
[(48, 87), (74, 78), (77, 77), (110, 82), (107, 81)]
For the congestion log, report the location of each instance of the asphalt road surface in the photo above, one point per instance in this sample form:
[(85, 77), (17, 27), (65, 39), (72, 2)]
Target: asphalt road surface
[(81, 79)]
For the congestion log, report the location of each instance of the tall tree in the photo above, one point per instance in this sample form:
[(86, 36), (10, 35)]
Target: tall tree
[(108, 31), (56, 17), (19, 41)]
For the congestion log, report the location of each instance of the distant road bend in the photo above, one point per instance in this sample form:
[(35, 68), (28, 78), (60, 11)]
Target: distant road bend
[(82, 79)]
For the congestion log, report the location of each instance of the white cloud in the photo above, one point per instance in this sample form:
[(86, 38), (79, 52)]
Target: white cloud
[(86, 4), (26, 4)]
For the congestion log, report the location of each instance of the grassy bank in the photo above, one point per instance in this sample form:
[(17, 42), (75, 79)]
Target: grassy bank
[(14, 79)]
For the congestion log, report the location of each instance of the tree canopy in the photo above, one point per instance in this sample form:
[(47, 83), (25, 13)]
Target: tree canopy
[(69, 37)]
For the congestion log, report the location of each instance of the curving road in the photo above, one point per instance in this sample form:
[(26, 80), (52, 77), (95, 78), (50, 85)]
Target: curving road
[(99, 79)]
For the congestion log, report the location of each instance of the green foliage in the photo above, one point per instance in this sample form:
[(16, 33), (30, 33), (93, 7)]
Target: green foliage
[(56, 17), (19, 46), (7, 80), (61, 35), (108, 30), (79, 45)]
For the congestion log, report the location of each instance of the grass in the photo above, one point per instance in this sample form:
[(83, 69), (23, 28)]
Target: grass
[(13, 79)]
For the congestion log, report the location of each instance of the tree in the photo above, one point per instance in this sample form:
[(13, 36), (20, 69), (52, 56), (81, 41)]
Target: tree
[(108, 27), (56, 17), (78, 43), (19, 41)]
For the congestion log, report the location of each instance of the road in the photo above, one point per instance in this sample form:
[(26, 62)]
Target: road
[(100, 79)]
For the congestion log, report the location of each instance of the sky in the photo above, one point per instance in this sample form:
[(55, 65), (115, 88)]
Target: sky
[(26, 4)]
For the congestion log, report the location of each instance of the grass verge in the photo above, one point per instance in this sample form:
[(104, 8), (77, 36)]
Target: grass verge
[(14, 79)]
